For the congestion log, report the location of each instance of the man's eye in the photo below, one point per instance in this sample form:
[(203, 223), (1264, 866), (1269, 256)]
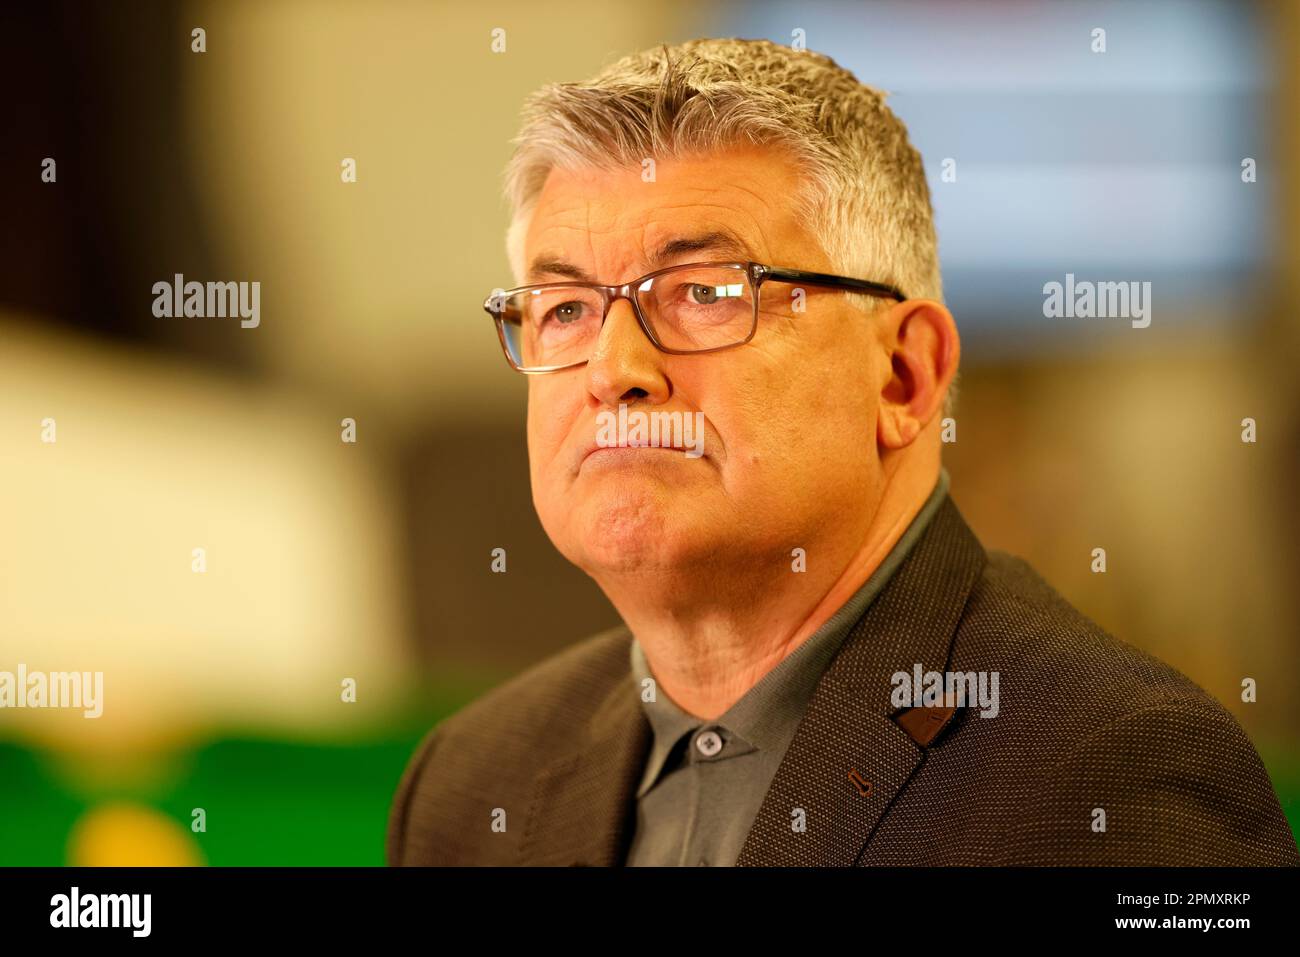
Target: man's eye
[(566, 312), (703, 295)]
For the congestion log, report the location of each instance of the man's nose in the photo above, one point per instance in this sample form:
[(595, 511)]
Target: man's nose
[(625, 360)]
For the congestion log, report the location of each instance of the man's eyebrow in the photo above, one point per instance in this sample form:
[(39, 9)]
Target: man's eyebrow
[(554, 265), (719, 243)]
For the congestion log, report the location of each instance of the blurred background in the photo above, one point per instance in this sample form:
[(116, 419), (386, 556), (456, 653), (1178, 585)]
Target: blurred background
[(369, 561)]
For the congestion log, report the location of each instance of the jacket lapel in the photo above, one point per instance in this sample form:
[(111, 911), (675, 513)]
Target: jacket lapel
[(849, 758), (583, 807)]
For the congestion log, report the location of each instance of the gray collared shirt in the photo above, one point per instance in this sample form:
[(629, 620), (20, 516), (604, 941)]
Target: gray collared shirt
[(704, 781)]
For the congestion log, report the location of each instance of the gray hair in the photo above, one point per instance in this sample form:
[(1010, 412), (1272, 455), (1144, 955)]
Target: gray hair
[(864, 197)]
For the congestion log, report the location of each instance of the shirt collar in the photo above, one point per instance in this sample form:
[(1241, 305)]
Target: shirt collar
[(768, 714)]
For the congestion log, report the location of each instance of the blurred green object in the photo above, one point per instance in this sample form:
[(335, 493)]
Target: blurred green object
[(267, 801), (1284, 769)]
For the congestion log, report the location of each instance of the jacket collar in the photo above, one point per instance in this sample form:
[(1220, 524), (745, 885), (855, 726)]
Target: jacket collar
[(851, 755)]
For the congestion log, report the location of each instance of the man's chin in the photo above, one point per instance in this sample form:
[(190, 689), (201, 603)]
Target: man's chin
[(631, 528), (616, 481)]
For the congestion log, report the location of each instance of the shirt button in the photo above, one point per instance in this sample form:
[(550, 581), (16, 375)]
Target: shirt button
[(709, 743)]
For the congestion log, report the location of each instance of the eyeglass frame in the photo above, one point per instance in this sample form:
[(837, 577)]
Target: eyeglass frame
[(757, 273)]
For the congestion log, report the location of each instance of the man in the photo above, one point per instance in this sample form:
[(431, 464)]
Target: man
[(739, 440)]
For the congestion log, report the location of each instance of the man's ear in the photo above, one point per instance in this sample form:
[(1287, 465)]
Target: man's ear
[(919, 340)]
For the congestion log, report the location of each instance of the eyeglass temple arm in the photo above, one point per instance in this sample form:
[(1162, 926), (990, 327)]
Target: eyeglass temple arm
[(840, 282)]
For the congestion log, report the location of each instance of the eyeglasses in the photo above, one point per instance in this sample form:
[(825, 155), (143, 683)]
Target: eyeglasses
[(683, 310)]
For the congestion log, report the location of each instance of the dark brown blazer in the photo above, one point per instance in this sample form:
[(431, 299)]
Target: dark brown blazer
[(1085, 722)]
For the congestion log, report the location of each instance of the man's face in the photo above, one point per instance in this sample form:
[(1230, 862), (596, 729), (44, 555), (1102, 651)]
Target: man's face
[(789, 447)]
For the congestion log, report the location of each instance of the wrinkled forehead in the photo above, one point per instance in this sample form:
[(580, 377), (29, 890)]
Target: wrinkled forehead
[(743, 203)]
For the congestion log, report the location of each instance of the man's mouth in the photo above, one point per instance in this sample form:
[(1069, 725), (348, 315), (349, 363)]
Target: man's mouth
[(636, 431), (633, 447)]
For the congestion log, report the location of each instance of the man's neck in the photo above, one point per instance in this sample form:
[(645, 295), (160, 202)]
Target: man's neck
[(707, 654)]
